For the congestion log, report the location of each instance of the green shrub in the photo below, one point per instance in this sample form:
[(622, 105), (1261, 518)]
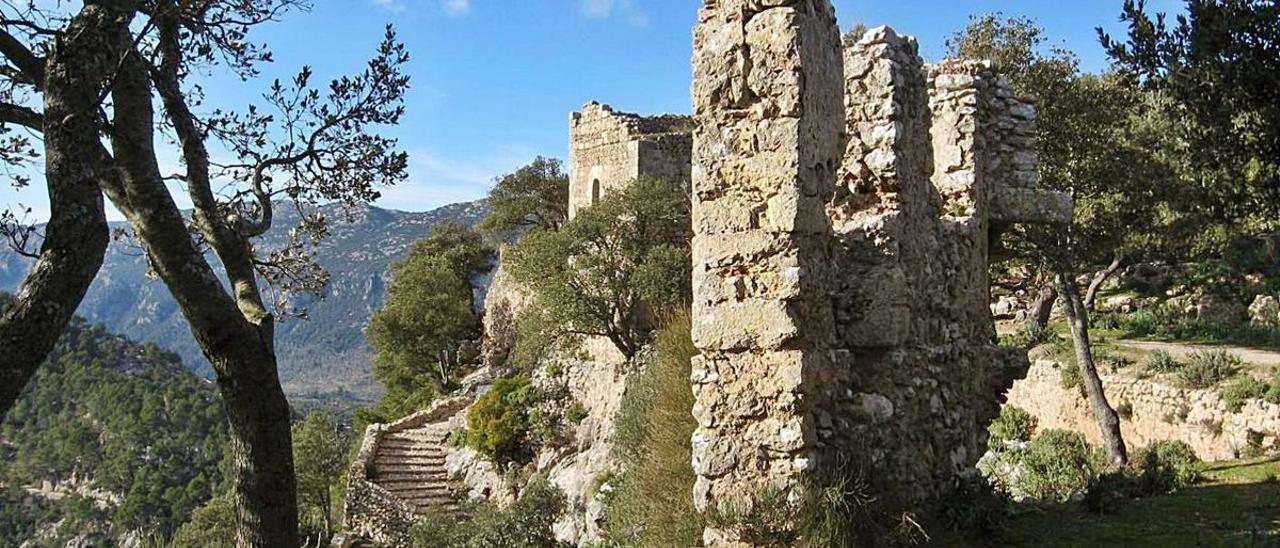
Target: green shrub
[(1013, 424), (835, 510), (1161, 362), (1273, 388), (1166, 466), (498, 423), (1125, 410), (1059, 466), (1240, 391), (650, 505), (975, 509), (575, 413), (1034, 334), (212, 525), (1207, 368), (1071, 377), (1108, 492), (525, 524)]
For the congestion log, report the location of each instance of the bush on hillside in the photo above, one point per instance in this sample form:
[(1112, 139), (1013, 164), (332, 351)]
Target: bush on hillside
[(1166, 466), (1207, 368), (1071, 377), (1059, 466), (1013, 424), (525, 524), (498, 423), (1240, 391), (1161, 362)]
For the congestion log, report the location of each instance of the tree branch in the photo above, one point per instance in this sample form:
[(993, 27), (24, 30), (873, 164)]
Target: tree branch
[(21, 56)]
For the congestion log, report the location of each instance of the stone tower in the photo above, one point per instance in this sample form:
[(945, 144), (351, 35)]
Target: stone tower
[(608, 150), (844, 201)]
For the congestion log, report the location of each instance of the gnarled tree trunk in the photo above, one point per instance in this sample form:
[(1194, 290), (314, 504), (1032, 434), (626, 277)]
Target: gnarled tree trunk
[(1091, 295), (239, 346), (76, 236), (1078, 321), (1042, 308)]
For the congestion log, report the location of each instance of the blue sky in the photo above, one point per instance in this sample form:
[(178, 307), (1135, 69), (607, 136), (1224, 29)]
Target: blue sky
[(494, 81)]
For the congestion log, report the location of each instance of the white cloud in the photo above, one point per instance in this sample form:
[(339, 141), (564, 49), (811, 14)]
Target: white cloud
[(395, 6), (597, 8), (605, 9), (435, 180), (457, 7)]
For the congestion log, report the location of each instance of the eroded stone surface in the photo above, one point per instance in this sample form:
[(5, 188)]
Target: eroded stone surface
[(766, 143), (841, 298)]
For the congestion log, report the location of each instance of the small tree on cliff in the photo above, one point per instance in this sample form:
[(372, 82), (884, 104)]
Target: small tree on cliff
[(428, 314), (100, 71), (1092, 147), (320, 457), (604, 272), (535, 196)]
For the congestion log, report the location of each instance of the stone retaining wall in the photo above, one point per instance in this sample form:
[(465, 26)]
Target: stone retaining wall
[(1153, 410)]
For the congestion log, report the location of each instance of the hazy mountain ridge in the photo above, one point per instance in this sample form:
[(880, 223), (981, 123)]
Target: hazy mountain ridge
[(324, 356)]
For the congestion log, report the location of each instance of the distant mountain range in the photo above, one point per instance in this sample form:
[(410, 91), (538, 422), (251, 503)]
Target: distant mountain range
[(322, 358)]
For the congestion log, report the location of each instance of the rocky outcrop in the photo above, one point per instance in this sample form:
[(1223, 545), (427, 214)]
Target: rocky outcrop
[(1151, 410)]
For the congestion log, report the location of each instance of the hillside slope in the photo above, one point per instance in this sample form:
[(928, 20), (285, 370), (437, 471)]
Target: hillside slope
[(110, 440), (324, 357)]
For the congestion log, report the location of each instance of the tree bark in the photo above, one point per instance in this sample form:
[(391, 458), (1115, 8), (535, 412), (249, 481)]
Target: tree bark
[(1091, 295), (1078, 322), (76, 236), (1042, 308), (240, 348)]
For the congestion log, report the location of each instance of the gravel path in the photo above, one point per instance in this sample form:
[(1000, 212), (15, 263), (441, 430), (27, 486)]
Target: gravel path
[(1183, 350)]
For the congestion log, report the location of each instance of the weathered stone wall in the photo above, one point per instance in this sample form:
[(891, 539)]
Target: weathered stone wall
[(840, 273), (1153, 411), (767, 106), (610, 149)]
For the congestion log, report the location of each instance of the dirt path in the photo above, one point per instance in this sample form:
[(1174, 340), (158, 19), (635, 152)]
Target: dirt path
[(1183, 350)]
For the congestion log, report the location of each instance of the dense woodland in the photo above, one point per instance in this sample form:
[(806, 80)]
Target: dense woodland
[(131, 440)]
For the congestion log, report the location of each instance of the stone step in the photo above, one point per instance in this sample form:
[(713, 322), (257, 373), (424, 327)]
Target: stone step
[(392, 470), (411, 486), (416, 460), (407, 446), (417, 479), (422, 437), (402, 442), (408, 452)]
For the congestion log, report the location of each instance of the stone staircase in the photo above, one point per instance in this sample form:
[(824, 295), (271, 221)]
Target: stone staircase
[(410, 465)]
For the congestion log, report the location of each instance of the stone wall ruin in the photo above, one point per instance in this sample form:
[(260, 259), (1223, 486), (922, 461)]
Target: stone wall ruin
[(844, 200)]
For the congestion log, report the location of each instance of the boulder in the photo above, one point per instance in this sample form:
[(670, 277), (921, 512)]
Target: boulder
[(1265, 311), (1215, 309)]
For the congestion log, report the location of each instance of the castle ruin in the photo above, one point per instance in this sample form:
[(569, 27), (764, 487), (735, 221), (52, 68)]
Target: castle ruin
[(846, 204), (844, 200), (608, 150)]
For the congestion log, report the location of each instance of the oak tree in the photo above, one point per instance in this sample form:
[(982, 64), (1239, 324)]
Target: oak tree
[(91, 80)]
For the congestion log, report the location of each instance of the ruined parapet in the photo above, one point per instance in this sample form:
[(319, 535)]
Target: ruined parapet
[(910, 220), (609, 149), (767, 106), (842, 314), (984, 140)]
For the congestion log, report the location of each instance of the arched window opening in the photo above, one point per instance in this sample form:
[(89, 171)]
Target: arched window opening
[(595, 191)]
